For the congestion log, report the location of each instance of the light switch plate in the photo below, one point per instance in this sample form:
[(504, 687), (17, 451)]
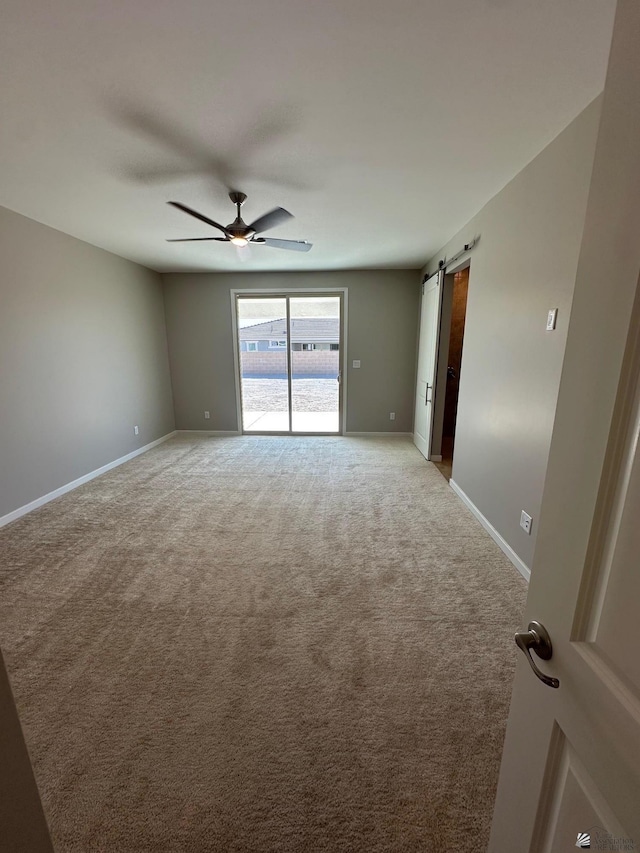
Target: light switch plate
[(356, 362), (552, 316)]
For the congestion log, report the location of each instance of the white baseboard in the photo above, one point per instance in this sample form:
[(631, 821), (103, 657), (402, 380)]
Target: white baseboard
[(524, 570), (218, 432), (208, 432), (23, 510), (381, 434)]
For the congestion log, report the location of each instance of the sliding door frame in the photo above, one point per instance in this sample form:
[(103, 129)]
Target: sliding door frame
[(284, 293)]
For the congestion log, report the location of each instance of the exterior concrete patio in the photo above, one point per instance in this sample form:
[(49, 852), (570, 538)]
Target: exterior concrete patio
[(314, 403)]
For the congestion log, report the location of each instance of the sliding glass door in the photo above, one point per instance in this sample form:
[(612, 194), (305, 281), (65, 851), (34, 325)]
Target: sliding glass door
[(290, 363), (315, 363), (264, 364)]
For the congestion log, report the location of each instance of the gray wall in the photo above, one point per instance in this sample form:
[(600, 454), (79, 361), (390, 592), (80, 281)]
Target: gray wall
[(83, 357), (524, 264), (382, 324)]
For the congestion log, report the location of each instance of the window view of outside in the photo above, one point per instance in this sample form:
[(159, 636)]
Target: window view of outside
[(314, 353), (315, 361)]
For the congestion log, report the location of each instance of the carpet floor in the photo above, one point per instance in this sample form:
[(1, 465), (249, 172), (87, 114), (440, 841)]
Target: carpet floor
[(262, 644)]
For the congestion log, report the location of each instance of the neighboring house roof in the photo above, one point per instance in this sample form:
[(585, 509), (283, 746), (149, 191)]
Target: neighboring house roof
[(303, 330)]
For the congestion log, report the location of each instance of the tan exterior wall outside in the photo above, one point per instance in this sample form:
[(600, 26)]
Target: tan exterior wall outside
[(312, 363)]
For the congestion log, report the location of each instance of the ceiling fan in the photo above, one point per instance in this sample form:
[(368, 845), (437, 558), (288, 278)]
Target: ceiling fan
[(241, 234)]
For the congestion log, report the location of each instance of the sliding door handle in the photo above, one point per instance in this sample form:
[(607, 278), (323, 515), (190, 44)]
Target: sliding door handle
[(428, 399), (538, 639)]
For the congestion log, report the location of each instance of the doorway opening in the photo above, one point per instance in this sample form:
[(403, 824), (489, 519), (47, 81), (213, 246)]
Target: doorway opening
[(454, 310), (289, 359)]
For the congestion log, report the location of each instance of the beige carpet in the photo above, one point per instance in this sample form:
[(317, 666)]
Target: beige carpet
[(262, 644)]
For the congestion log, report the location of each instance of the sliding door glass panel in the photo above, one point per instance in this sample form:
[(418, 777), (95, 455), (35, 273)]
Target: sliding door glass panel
[(315, 363), (263, 339)]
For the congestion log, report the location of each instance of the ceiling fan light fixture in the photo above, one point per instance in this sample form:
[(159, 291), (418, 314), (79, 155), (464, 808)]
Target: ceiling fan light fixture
[(239, 241)]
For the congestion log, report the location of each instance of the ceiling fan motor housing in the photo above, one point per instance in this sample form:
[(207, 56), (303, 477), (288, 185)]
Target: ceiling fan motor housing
[(238, 228)]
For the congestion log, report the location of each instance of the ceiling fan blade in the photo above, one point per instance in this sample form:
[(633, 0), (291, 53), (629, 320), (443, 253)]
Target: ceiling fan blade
[(197, 215), (292, 245), (270, 220), (197, 239)]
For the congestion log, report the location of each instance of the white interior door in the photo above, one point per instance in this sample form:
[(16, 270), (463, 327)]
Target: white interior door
[(570, 775), (427, 360)]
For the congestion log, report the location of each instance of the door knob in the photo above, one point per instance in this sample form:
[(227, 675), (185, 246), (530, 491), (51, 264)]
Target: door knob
[(537, 639)]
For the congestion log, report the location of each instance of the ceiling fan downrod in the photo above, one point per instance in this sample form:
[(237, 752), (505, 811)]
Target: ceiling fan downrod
[(238, 231)]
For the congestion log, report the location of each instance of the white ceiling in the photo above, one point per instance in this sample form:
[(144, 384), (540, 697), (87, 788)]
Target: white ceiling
[(383, 126)]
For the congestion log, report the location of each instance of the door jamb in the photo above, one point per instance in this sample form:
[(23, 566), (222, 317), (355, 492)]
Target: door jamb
[(440, 389)]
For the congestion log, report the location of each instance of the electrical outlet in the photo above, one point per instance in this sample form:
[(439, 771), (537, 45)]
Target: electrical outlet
[(207, 416), (136, 430), (392, 416), (525, 522)]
